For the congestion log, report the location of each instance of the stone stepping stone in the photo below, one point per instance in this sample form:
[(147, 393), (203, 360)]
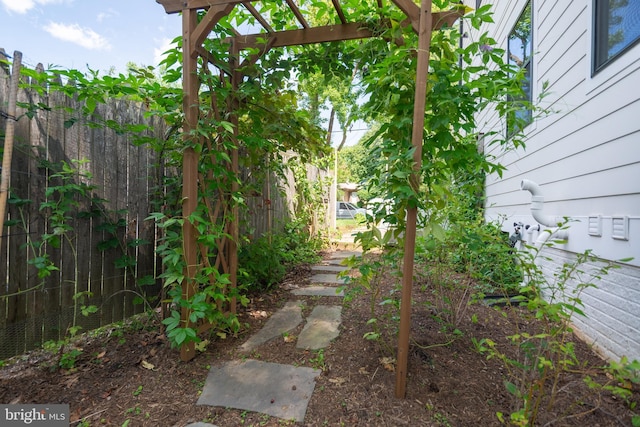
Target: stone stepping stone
[(326, 278), (318, 291), (274, 389), (335, 262), (322, 327), (332, 268), (283, 320), (344, 254)]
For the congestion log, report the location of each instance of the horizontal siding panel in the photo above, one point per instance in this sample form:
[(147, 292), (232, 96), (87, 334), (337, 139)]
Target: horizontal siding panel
[(601, 161), (546, 11), (564, 74), (554, 36), (597, 185), (554, 144)]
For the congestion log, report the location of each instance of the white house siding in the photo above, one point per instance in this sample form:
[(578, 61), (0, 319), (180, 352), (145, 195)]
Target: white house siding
[(585, 156)]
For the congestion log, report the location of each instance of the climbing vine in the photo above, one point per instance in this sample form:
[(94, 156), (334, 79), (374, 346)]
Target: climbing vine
[(263, 118)]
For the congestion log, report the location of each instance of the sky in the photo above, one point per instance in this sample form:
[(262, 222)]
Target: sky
[(97, 35), (82, 34)]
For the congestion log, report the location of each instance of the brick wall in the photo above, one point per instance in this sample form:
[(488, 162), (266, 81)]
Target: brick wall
[(612, 322)]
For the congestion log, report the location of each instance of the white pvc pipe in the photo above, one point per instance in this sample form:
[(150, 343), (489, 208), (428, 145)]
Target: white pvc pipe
[(537, 206)]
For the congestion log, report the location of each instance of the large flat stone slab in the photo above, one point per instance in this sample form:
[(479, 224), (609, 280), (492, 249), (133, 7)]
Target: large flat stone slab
[(274, 389), (322, 327), (331, 268), (283, 320), (318, 291), (326, 278)]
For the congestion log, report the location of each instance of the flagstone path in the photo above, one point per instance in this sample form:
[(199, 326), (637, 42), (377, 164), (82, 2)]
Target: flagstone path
[(277, 389)]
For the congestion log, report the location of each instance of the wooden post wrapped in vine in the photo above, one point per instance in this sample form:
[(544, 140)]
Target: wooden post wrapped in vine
[(190, 84)]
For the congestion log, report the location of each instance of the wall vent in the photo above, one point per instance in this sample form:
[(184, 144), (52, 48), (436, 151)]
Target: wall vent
[(595, 226), (620, 227)]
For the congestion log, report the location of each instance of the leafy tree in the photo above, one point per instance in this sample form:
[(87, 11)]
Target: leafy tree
[(352, 164)]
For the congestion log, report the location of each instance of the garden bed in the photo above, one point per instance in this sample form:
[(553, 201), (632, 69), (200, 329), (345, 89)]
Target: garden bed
[(131, 376)]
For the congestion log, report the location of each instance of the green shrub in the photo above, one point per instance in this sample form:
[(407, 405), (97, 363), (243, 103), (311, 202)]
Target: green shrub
[(261, 263), (265, 261), (479, 249)]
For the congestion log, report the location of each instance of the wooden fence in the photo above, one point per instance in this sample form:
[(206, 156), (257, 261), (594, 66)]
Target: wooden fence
[(126, 178)]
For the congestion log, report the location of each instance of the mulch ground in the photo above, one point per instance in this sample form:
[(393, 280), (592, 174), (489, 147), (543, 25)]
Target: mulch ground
[(130, 376)]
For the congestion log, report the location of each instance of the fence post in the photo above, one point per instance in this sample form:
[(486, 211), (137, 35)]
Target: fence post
[(8, 139)]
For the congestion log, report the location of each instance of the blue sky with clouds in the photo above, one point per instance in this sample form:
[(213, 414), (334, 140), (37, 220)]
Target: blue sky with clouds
[(74, 34), (95, 34)]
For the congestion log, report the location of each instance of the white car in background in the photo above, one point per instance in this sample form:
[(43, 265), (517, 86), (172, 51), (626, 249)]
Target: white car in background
[(346, 210)]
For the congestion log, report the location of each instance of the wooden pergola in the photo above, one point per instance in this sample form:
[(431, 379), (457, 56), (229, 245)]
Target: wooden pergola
[(194, 33)]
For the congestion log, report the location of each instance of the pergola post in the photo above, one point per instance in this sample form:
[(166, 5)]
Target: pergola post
[(236, 76), (424, 44), (190, 89)]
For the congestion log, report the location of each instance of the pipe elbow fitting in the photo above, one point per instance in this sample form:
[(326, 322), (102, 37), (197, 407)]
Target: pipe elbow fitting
[(531, 187), (537, 204)]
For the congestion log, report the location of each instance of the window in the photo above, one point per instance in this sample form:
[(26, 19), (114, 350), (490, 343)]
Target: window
[(519, 51), (616, 28)]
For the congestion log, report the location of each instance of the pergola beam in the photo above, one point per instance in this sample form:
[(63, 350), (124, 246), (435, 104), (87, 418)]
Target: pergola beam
[(298, 14), (210, 19), (258, 16), (339, 11), (409, 8), (328, 33), (176, 6)]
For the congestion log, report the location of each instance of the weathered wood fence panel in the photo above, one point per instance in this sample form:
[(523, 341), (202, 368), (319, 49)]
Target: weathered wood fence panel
[(269, 209), (34, 310)]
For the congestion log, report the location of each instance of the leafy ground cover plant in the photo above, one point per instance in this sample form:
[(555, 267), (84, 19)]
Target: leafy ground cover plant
[(543, 356), (478, 249)]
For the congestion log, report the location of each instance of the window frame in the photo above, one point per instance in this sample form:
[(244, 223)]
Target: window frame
[(598, 10), (526, 63)]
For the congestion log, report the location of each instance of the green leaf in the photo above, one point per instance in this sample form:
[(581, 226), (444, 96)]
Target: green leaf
[(146, 280), (87, 310), (512, 388), (227, 126), (70, 122)]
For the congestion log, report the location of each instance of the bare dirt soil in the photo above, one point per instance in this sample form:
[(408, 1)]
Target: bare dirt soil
[(130, 376)]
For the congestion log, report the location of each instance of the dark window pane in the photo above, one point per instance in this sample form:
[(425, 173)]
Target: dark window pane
[(617, 26)]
